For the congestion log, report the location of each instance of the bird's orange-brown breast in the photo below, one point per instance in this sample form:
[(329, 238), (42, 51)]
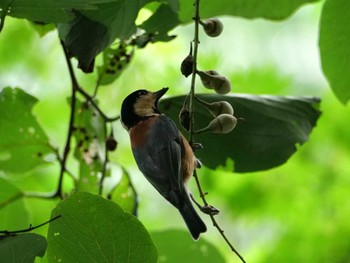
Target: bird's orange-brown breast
[(138, 133)]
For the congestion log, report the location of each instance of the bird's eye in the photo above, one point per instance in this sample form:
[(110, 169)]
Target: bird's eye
[(142, 92)]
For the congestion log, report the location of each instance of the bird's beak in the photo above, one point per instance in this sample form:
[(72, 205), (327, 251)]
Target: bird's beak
[(158, 94)]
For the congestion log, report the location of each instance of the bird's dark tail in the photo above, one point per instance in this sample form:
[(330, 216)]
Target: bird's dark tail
[(192, 219)]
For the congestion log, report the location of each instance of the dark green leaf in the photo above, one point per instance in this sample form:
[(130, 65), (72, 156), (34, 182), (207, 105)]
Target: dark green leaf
[(334, 44), (91, 32), (93, 229), (22, 247), (49, 11), (267, 137), (12, 206), (270, 9), (23, 143), (177, 246), (124, 194), (163, 20)]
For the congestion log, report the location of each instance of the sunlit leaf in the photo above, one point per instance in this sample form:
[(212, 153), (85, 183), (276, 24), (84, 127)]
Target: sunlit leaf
[(12, 206), (124, 194), (267, 135), (334, 44), (270, 9), (22, 247), (177, 246), (23, 143), (98, 230)]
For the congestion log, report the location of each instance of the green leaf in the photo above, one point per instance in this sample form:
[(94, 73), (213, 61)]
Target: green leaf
[(334, 42), (124, 194), (270, 9), (22, 247), (267, 136), (177, 246), (47, 11), (91, 32), (12, 206), (23, 143), (156, 23), (115, 60), (90, 136), (93, 229)]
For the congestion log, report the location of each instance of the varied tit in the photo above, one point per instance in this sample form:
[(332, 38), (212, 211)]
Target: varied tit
[(162, 153)]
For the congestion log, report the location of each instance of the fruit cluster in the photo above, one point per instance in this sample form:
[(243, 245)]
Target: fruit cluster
[(222, 111)]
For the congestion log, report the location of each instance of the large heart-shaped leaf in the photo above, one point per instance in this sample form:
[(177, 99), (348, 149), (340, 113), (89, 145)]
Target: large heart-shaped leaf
[(268, 134), (93, 229)]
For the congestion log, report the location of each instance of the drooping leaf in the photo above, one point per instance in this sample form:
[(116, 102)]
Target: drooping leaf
[(23, 143), (12, 206), (270, 9), (124, 194), (22, 247), (266, 137), (177, 246), (48, 11), (115, 60), (161, 22), (91, 32), (90, 136), (334, 45), (98, 230)]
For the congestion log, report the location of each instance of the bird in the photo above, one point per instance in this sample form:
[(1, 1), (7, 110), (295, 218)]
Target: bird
[(162, 153)]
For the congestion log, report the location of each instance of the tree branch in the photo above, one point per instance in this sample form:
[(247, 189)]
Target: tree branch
[(211, 211), (66, 151)]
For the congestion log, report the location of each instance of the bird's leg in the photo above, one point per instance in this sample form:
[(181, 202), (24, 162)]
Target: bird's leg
[(206, 209)]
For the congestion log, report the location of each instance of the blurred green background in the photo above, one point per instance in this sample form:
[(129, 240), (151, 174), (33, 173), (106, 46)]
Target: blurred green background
[(298, 212)]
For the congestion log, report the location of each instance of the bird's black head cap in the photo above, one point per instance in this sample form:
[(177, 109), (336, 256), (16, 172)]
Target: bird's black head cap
[(140, 105)]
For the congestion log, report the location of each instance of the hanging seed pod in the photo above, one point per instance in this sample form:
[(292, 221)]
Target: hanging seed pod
[(187, 66), (220, 84), (213, 27), (184, 118), (223, 123), (111, 143), (212, 80), (217, 108), (206, 76)]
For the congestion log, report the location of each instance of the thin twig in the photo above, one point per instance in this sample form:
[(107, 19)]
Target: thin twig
[(30, 228), (212, 217), (194, 69), (66, 150), (104, 166), (211, 211)]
